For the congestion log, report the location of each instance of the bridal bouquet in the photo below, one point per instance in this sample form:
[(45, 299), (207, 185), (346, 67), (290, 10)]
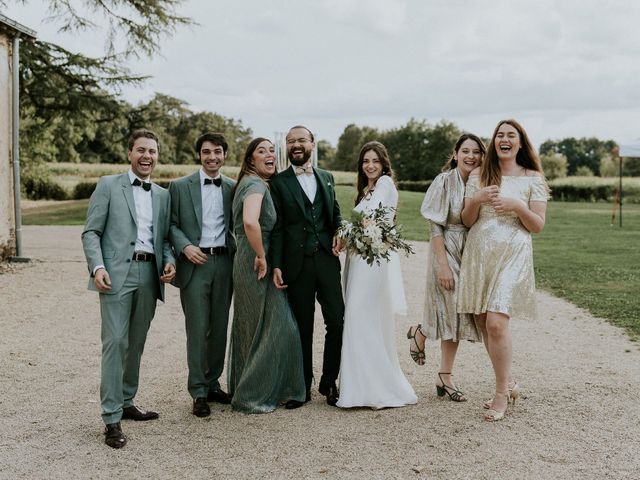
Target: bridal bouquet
[(373, 235)]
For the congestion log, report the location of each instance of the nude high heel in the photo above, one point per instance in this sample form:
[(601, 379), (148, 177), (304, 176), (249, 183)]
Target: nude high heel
[(493, 415), (514, 393)]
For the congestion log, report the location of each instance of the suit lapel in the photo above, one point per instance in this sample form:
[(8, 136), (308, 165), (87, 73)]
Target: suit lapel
[(294, 187), (325, 187), (196, 196), (127, 190)]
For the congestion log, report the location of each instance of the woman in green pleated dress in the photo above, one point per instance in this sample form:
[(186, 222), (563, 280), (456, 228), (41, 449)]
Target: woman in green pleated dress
[(265, 357)]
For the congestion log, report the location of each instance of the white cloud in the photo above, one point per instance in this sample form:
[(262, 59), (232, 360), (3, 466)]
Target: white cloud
[(565, 68)]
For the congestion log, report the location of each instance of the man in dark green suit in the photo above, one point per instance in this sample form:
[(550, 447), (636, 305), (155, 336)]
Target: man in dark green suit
[(305, 255), (202, 237), (126, 244)]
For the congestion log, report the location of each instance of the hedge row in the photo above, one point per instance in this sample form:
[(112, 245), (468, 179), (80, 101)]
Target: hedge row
[(44, 188), (592, 193), (414, 185), (47, 189)]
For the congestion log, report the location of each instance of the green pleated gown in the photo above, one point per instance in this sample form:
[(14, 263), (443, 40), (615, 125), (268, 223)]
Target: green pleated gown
[(265, 356)]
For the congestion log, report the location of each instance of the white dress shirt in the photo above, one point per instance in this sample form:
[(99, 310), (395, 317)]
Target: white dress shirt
[(212, 214), (308, 183), (144, 216)]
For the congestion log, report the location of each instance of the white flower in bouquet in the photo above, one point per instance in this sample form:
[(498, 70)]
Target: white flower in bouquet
[(374, 232), (373, 236)]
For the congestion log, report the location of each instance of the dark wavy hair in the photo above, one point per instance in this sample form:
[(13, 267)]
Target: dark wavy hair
[(247, 167), (383, 156), (452, 162), (526, 157), (213, 137)]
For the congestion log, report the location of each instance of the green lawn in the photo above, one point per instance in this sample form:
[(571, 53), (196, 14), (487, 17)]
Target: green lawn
[(581, 257), (67, 212), (578, 256)]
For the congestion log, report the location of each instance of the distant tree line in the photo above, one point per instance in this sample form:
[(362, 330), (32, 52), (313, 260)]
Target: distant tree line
[(418, 150)]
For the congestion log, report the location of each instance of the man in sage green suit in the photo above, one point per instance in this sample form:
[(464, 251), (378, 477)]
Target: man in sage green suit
[(126, 244), (305, 255), (201, 236)]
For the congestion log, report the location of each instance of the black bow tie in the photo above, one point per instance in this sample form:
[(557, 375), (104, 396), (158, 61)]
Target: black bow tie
[(216, 181), (145, 185)]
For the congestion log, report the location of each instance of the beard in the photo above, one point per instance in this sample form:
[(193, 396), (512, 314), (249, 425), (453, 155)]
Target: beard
[(298, 162)]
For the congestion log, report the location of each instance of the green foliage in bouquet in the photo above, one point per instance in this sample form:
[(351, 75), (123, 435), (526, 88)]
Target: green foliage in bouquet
[(373, 234)]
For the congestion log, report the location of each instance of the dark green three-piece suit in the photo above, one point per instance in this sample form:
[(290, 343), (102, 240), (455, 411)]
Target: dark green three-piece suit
[(109, 239), (205, 290), (301, 248)]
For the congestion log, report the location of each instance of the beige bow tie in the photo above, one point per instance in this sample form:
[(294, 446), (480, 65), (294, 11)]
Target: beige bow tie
[(308, 170)]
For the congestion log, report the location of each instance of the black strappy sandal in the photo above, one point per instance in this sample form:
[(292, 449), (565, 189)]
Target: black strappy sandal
[(417, 355), (454, 394)]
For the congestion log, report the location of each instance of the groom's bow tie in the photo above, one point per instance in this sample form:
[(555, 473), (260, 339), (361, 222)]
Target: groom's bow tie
[(308, 170), (145, 185), (216, 181)]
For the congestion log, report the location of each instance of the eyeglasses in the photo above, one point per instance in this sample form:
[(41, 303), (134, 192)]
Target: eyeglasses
[(291, 141)]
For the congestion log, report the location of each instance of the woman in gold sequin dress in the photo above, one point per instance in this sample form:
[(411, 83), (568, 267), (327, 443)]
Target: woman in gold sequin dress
[(505, 201), (441, 207)]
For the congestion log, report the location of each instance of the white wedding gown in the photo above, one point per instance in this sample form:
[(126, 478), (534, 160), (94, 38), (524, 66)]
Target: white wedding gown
[(370, 374)]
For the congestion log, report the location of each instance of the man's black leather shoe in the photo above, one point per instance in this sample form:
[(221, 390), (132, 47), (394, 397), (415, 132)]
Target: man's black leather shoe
[(201, 407), (219, 396), (331, 393), (135, 413), (113, 435)]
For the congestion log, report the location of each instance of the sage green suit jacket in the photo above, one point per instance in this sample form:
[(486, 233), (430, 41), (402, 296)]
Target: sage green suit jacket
[(186, 220), (289, 235), (109, 236)]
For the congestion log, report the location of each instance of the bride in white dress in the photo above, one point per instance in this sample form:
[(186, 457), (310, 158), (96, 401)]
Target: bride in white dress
[(370, 374)]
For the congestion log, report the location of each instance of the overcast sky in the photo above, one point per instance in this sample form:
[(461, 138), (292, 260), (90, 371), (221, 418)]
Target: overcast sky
[(562, 68)]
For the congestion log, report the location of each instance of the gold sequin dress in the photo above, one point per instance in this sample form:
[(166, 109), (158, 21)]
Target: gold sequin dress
[(497, 267), (442, 206)]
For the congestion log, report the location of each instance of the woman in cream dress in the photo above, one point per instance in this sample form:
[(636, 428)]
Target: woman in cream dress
[(441, 207), (505, 201)]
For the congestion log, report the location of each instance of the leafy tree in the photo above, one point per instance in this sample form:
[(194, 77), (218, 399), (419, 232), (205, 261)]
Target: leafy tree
[(326, 154), (64, 98), (349, 145), (554, 165), (586, 152), (140, 24), (418, 150), (68, 101)]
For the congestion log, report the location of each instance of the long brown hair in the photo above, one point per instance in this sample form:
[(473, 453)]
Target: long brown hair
[(452, 162), (247, 167), (526, 157), (383, 156)]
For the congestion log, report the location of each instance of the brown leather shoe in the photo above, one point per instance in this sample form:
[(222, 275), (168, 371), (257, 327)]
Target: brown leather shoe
[(201, 407), (113, 435), (135, 413), (331, 393), (218, 396)]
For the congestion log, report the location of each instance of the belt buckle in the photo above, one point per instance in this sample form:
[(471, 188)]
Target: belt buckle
[(136, 256)]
